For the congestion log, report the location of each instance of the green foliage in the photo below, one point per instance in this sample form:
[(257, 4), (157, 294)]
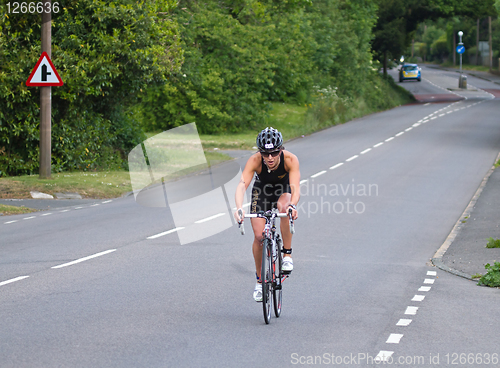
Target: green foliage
[(241, 55), (105, 52), (399, 19), (237, 57), (492, 276), (439, 47), (493, 243)]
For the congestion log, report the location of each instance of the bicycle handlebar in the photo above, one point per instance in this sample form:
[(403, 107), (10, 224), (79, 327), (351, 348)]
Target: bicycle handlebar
[(261, 215)]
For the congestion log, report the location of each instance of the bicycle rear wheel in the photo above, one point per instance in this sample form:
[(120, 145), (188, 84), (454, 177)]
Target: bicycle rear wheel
[(267, 279), (277, 291)]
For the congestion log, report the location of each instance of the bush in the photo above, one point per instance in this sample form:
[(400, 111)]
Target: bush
[(492, 243), (105, 52), (492, 277)]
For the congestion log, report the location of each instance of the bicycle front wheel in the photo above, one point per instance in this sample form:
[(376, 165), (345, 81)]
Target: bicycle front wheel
[(277, 291), (267, 279)]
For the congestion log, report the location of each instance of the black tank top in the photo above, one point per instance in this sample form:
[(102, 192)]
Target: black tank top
[(278, 176)]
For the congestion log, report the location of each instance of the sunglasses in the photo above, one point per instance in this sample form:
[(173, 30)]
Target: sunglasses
[(273, 154)]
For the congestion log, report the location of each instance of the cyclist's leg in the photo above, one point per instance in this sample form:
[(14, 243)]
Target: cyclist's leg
[(286, 235), (258, 227)]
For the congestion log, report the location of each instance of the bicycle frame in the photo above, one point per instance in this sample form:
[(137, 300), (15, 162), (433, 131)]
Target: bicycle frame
[(272, 275)]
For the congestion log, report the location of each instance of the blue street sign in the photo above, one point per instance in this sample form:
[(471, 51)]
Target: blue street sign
[(460, 49)]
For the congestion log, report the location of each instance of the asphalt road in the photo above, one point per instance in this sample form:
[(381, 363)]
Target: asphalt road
[(362, 284)]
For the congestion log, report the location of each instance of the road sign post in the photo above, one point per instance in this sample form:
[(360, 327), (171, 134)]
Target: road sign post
[(45, 76), (462, 80), (45, 104)]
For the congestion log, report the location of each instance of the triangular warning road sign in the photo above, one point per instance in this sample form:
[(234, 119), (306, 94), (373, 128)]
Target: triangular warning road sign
[(44, 74)]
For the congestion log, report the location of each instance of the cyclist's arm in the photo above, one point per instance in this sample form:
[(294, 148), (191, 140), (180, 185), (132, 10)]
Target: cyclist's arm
[(294, 178), (246, 177)]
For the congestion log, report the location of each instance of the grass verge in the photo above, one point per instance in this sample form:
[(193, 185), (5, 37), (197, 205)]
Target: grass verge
[(479, 68), (292, 120), (13, 210)]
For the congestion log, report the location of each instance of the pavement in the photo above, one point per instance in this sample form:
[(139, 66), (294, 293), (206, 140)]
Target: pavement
[(464, 252), (495, 78)]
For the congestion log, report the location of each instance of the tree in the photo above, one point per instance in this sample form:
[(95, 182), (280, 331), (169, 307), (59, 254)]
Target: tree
[(397, 20), (105, 52)]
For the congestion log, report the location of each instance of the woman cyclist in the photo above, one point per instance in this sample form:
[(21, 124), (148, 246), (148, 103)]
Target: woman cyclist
[(276, 185)]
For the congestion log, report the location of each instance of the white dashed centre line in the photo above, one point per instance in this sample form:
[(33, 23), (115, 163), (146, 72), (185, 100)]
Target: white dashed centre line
[(318, 174), (165, 233), (84, 259), (424, 288), (335, 166), (429, 281), (209, 218), (29, 218), (418, 298), (13, 280), (400, 133), (366, 151), (389, 139), (378, 144), (352, 158)]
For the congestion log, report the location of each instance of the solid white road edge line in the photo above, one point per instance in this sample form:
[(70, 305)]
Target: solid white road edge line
[(84, 259)]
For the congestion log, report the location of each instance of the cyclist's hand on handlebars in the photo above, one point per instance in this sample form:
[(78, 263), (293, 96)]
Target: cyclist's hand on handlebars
[(237, 216), (295, 214)]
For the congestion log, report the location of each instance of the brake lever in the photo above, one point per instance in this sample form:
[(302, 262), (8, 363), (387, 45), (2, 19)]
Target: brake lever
[(292, 226), (240, 224)]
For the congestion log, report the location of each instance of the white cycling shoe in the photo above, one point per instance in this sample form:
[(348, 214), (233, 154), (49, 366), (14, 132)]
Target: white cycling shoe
[(257, 292), (287, 265)]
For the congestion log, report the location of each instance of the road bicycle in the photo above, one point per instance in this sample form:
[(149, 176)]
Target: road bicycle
[(272, 275)]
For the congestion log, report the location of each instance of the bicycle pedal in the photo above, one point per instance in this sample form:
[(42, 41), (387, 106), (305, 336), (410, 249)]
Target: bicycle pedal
[(286, 272)]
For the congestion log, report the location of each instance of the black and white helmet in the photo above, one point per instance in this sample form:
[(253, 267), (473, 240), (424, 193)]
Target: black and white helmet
[(269, 139)]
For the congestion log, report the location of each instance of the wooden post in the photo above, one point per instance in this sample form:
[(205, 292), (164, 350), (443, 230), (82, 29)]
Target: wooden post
[(477, 42), (490, 42), (46, 101)]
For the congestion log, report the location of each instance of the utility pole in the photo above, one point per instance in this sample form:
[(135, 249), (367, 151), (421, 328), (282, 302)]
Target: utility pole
[(491, 50), (46, 100), (477, 42), (454, 48)]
